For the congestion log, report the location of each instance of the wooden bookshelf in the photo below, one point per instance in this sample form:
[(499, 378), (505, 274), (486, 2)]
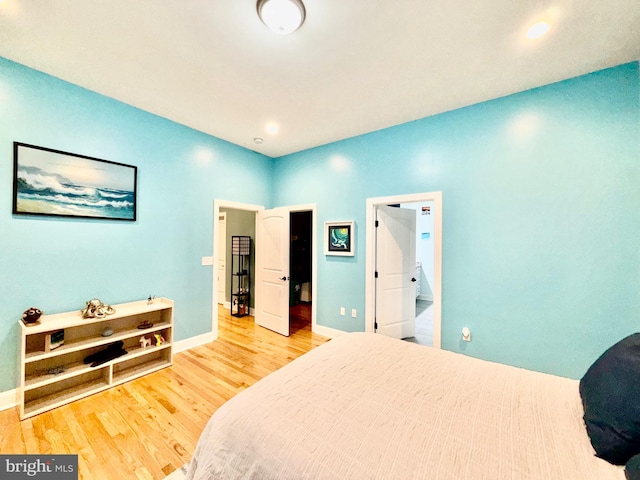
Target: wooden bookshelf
[(53, 377)]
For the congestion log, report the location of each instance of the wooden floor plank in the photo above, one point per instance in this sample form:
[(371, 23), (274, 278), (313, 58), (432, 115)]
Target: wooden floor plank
[(147, 428)]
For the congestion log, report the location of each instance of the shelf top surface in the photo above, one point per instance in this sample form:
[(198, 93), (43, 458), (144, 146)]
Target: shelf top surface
[(74, 318)]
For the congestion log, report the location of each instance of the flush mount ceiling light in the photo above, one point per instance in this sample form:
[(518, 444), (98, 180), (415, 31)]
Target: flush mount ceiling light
[(281, 16)]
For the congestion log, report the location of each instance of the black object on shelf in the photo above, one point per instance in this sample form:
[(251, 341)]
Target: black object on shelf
[(114, 350), (240, 275)]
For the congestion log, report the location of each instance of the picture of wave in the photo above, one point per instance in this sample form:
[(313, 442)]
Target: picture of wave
[(50, 182), (339, 238)]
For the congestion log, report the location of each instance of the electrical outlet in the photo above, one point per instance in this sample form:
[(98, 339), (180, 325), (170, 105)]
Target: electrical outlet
[(466, 334), (342, 311), (354, 314)]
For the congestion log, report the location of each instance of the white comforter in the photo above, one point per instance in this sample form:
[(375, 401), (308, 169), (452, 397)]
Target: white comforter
[(364, 406)]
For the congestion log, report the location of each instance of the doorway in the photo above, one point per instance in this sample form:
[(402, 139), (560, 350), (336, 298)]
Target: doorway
[(300, 261), (435, 208), (237, 222), (218, 207), (424, 272), (281, 283), (395, 271), (304, 218)]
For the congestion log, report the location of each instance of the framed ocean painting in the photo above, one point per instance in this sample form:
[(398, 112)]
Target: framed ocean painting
[(63, 184), (339, 238)]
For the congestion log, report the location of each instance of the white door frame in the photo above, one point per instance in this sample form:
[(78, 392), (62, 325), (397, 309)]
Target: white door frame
[(312, 207), (223, 287), (372, 203)]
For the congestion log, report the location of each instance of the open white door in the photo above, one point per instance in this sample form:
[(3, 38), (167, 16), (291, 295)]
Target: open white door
[(395, 308), (272, 270)]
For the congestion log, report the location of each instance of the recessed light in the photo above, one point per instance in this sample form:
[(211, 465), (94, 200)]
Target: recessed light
[(537, 30), (272, 128), (258, 140)]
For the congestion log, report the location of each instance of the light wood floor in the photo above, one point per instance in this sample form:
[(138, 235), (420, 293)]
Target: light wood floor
[(147, 428)]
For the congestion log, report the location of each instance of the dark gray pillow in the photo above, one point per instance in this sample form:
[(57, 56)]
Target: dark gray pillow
[(632, 469), (610, 392)]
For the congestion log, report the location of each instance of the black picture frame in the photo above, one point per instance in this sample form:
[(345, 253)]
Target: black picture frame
[(54, 183)]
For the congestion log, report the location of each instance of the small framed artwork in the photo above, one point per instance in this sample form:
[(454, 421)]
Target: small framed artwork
[(339, 238), (55, 183)]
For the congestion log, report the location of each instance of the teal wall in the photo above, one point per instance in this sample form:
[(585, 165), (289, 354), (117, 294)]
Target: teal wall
[(541, 222), (58, 264), (541, 213)]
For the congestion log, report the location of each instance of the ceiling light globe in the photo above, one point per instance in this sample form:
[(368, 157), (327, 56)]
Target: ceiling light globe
[(281, 16)]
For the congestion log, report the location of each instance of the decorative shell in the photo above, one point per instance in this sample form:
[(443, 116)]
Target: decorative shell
[(31, 315), (96, 309)]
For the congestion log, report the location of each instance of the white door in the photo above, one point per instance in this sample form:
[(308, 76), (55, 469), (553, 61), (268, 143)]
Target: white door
[(395, 306), (272, 270), (222, 257)]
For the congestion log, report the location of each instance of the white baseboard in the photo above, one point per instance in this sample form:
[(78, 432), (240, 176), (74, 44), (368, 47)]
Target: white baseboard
[(191, 342), (427, 298), (8, 399), (327, 331)]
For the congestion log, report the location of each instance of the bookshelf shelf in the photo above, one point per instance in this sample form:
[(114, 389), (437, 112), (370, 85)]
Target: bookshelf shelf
[(61, 375)]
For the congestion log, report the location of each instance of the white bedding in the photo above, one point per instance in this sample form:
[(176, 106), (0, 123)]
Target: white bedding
[(364, 406)]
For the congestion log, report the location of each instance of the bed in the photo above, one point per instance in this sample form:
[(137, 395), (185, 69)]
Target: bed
[(365, 406)]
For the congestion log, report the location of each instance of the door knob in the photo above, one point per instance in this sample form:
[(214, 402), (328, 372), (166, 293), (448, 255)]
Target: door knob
[(413, 279), (284, 279)]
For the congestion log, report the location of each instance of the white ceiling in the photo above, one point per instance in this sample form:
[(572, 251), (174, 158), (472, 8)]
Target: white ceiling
[(353, 67)]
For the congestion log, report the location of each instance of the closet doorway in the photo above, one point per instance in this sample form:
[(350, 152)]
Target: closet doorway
[(300, 269), (283, 280)]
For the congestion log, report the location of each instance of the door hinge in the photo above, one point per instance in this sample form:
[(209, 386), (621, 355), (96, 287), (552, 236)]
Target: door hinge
[(375, 325), (377, 224), (375, 275)]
